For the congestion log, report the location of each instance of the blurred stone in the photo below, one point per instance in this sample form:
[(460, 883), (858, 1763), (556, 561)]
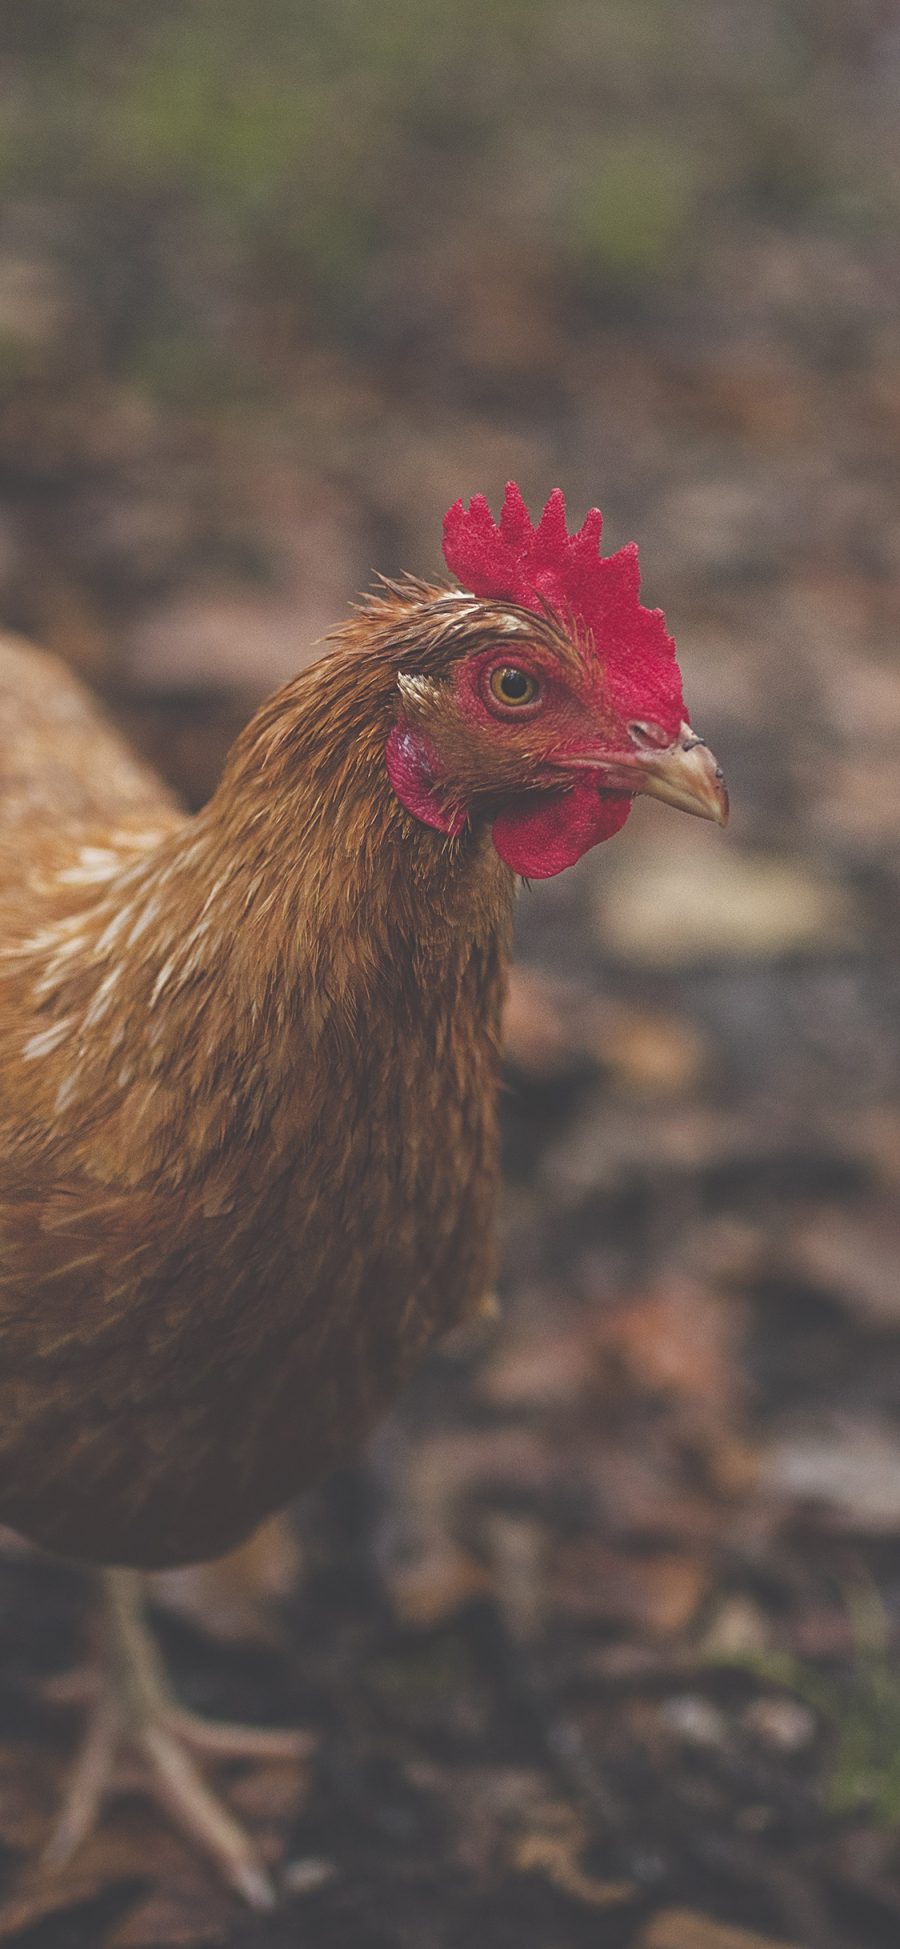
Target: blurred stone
[(737, 1630), (664, 908), (785, 1724), (848, 1465), (694, 1720), (306, 1876)]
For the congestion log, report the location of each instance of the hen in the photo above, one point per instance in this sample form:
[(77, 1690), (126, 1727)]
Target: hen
[(248, 1151)]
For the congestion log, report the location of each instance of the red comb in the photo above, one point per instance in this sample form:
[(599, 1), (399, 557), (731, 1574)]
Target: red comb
[(531, 566)]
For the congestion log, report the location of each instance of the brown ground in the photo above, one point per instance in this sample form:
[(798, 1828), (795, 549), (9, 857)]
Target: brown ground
[(600, 1638)]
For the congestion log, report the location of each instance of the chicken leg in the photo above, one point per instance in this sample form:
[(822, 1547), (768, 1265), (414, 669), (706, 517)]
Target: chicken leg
[(135, 1709)]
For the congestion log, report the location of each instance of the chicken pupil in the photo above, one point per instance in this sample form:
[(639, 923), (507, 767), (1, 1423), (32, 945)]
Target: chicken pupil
[(515, 685)]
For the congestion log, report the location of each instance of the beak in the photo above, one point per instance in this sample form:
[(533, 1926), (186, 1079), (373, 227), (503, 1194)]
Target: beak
[(684, 774)]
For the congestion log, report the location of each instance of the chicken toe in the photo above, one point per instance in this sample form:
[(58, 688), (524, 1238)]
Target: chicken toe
[(136, 1713)]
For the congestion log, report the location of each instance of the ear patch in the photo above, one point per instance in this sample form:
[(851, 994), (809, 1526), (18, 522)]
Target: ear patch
[(413, 772)]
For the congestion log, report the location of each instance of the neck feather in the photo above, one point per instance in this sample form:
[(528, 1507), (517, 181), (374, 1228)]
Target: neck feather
[(298, 904)]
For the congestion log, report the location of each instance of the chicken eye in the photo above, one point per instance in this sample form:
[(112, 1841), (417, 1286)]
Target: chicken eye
[(649, 737), (513, 686)]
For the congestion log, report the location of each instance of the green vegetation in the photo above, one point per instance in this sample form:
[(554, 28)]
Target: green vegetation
[(860, 1708), (318, 156)]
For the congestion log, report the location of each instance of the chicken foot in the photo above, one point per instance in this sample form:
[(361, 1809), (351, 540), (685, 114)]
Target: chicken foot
[(135, 1709)]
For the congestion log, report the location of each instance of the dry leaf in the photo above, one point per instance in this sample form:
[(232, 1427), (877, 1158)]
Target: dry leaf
[(648, 1053), (679, 1339), (685, 1928), (552, 1848), (125, 1848), (434, 1582), (659, 1594), (542, 1368), (549, 1024)]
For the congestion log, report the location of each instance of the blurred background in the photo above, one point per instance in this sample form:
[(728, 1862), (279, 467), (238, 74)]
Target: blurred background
[(600, 1638)]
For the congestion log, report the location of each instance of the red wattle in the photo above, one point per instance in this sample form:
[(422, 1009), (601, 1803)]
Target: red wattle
[(548, 831), (540, 834)]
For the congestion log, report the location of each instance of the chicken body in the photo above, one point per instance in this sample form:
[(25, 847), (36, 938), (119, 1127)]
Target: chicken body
[(248, 1067), (248, 1153)]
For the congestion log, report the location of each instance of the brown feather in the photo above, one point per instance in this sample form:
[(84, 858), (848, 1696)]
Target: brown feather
[(248, 1153)]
